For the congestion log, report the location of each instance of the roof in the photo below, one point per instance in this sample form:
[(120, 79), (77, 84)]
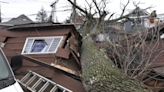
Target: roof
[(138, 12), (22, 19), (40, 25)]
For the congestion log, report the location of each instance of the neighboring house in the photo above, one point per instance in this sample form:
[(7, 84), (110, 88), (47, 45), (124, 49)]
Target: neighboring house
[(136, 19), (138, 15), (22, 19), (139, 19), (138, 12), (52, 50)]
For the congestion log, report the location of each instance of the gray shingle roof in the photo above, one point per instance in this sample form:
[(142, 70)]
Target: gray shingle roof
[(22, 19)]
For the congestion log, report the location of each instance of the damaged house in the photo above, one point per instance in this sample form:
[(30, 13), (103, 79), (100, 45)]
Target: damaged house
[(48, 49)]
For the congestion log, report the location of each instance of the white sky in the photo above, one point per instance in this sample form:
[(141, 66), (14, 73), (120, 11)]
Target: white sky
[(15, 8)]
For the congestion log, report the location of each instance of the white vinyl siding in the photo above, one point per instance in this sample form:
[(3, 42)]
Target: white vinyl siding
[(42, 45)]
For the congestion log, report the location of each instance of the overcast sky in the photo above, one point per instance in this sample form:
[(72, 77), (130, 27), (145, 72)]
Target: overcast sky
[(14, 8)]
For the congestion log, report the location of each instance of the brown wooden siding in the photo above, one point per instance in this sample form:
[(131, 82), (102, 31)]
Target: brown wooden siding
[(35, 32), (2, 38), (14, 46), (55, 75)]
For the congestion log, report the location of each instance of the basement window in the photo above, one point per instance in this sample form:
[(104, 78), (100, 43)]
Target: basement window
[(41, 45)]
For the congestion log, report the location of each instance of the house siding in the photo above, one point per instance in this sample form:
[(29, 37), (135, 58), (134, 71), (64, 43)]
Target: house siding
[(15, 43)]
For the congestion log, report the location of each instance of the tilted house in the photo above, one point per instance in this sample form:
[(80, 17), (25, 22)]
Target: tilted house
[(51, 50)]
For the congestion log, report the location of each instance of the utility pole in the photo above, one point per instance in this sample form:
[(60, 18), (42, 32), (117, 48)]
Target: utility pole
[(0, 10), (53, 14)]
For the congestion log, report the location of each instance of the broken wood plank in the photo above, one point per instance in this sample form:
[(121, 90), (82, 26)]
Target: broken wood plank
[(52, 65)]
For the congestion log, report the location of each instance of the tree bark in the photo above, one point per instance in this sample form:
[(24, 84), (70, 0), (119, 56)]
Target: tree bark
[(99, 73)]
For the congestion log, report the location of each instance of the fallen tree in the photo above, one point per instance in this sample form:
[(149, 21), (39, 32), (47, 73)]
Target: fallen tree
[(98, 71), (101, 75)]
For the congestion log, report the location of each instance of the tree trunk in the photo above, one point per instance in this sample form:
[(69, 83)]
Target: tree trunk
[(99, 73)]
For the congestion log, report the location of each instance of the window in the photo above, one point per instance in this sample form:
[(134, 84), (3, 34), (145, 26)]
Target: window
[(41, 45)]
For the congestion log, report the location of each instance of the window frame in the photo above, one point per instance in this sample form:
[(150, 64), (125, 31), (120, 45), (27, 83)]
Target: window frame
[(37, 38)]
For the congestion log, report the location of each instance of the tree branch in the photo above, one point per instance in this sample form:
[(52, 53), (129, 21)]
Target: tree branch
[(79, 8), (124, 8), (111, 16), (117, 19), (95, 3)]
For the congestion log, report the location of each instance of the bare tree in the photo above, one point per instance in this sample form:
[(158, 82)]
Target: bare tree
[(96, 13), (94, 9)]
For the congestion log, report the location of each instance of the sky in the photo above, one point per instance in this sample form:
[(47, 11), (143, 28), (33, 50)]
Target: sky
[(14, 8)]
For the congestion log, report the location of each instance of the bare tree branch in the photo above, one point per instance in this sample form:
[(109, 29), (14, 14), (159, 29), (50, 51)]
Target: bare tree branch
[(111, 16), (117, 19), (79, 8), (136, 4), (124, 8), (97, 7), (105, 4), (90, 6)]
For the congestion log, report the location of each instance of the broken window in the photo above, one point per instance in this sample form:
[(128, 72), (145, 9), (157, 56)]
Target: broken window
[(41, 45)]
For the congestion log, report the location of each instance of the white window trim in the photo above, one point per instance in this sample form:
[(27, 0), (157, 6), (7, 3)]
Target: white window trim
[(34, 38)]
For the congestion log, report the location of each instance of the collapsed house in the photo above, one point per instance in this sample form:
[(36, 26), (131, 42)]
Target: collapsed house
[(49, 49)]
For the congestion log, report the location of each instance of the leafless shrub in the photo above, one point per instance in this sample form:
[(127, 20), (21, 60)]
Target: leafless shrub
[(135, 54)]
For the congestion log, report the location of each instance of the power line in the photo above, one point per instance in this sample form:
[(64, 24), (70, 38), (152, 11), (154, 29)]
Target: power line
[(36, 13), (50, 12)]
